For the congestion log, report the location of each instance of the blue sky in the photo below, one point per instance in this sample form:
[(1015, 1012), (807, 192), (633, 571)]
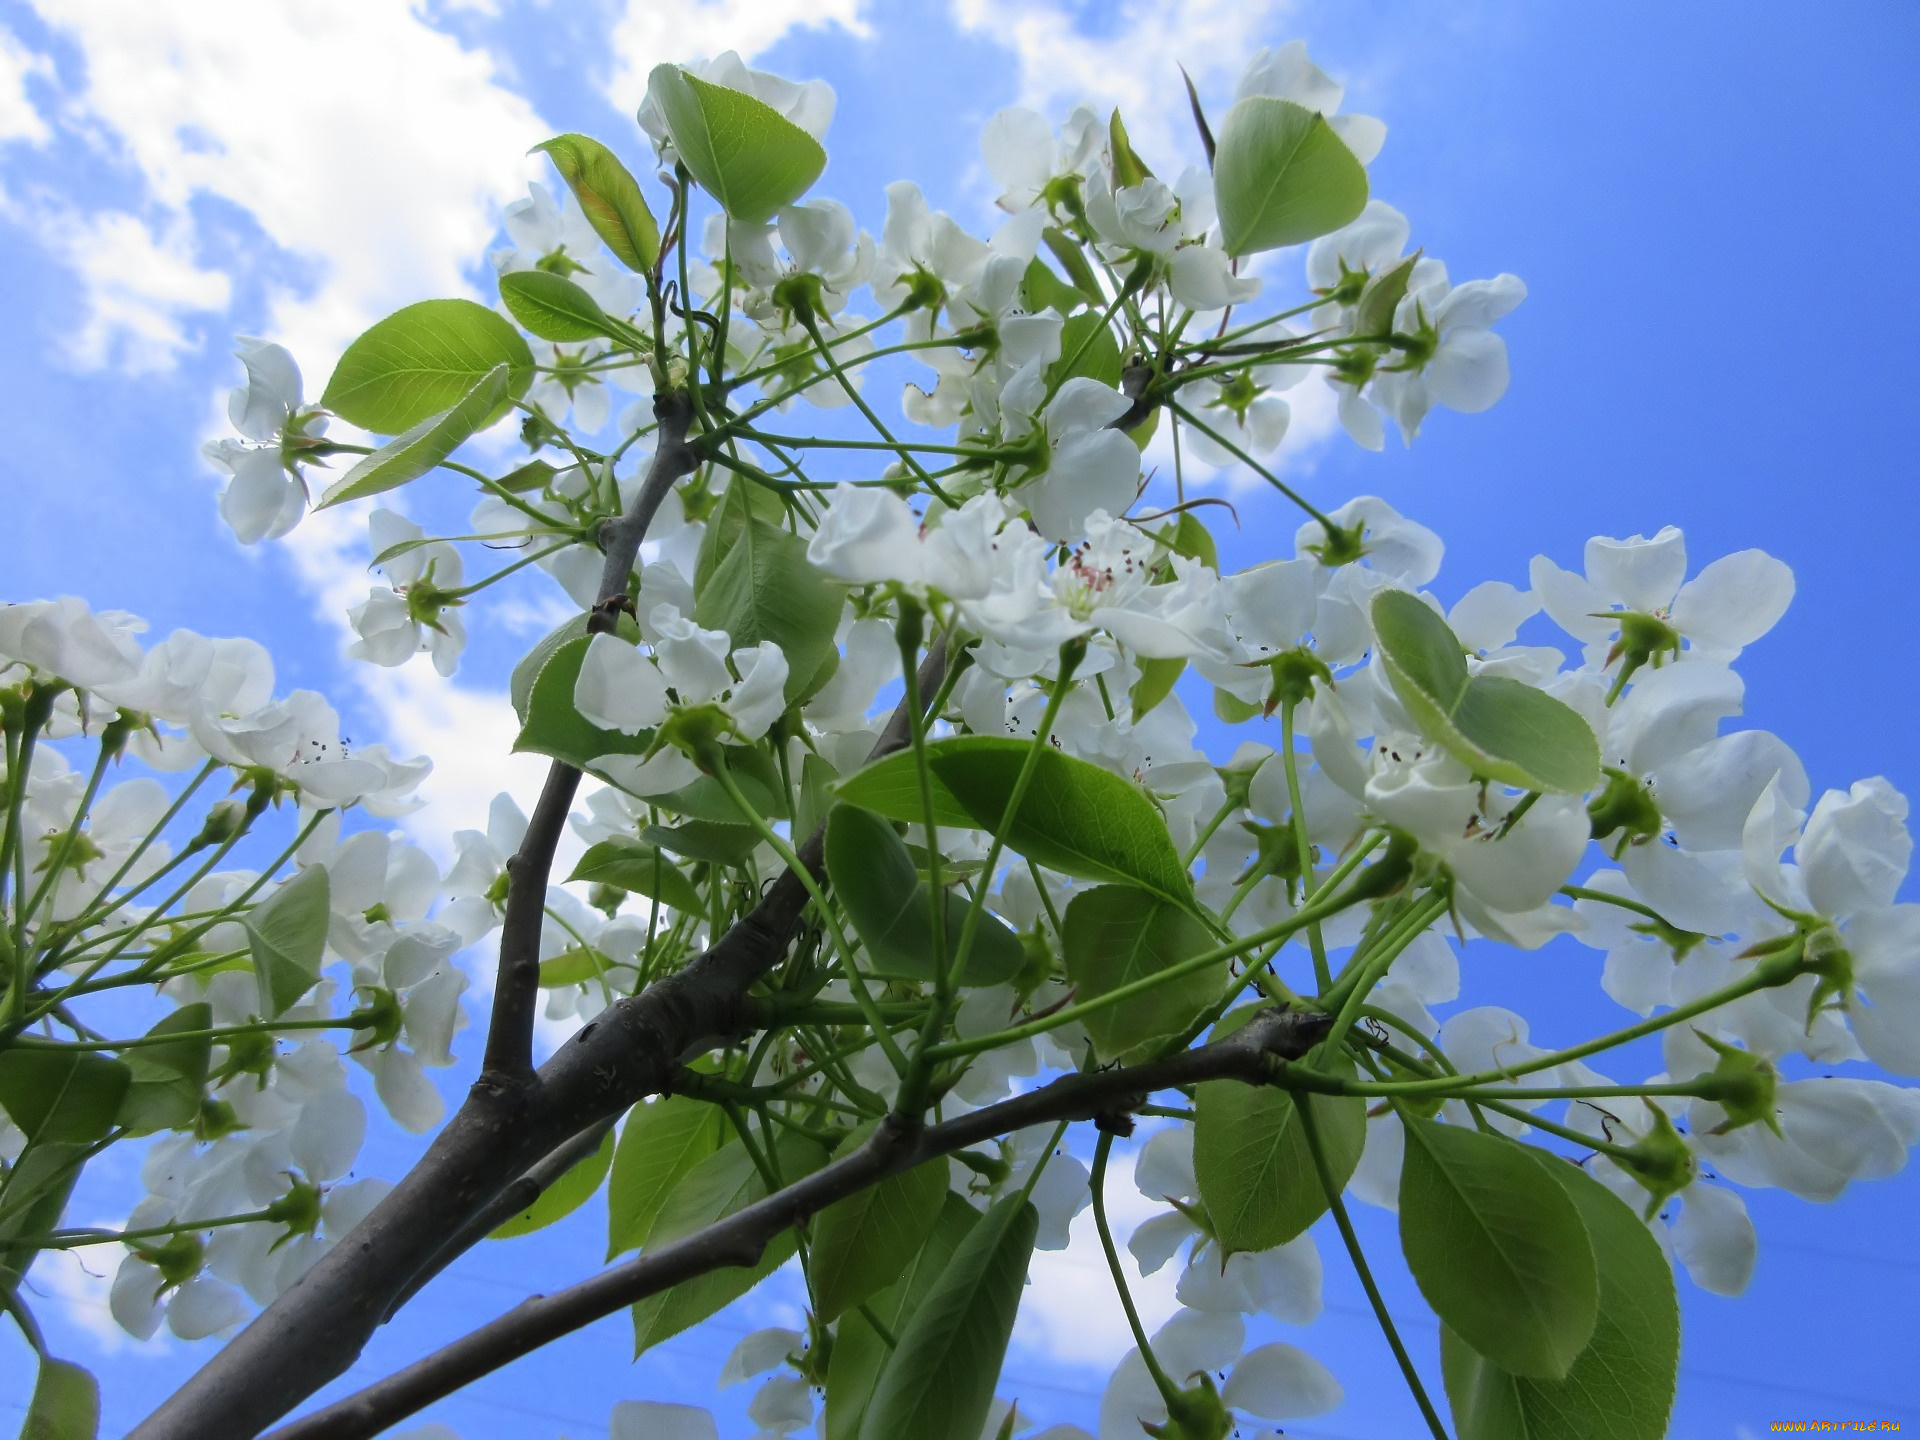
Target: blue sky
[(1710, 205)]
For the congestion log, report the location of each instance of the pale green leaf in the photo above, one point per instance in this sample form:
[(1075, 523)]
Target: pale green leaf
[(1622, 1385), (764, 589), (1497, 1247), (66, 1403), (288, 936), (609, 196), (938, 1384), (640, 869), (1503, 729), (554, 308), (660, 1142), (410, 455), (564, 1196), (1281, 176), (1114, 935), (862, 1244), (744, 153), (422, 360), (555, 727), (167, 1080)]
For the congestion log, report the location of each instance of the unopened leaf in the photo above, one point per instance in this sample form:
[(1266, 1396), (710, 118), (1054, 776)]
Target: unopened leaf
[(609, 196)]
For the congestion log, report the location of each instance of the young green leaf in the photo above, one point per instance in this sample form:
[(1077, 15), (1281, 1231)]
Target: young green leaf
[(862, 1244), (939, 1382), (1075, 817), (64, 1101), (764, 589), (1128, 168), (1074, 261), (563, 1197), (1379, 302), (66, 1403), (640, 869), (164, 1093), (609, 196), (715, 1188), (555, 727), (1499, 728), (706, 840), (859, 1353), (1621, 1387), (1156, 682), (1087, 347), (424, 359), (1498, 1248), (288, 934), (1251, 1156), (744, 153), (554, 308), (816, 794), (1041, 289), (527, 671), (660, 1142), (409, 455), (753, 770), (888, 901), (740, 502), (1114, 935), (1281, 176)]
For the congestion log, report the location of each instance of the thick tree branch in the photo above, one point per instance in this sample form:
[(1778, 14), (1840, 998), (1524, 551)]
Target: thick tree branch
[(313, 1332), (739, 1240)]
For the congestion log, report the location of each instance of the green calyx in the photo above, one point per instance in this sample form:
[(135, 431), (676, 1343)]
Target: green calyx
[(1347, 289), (1624, 806), (1742, 1084), (215, 1118), (1279, 852), (1644, 639), (1295, 672), (1659, 1160), (178, 1260), (298, 1210), (378, 1018), (801, 296), (1195, 1413), (1826, 957), (1342, 545), (1237, 393), (695, 730), (924, 290), (249, 1054)]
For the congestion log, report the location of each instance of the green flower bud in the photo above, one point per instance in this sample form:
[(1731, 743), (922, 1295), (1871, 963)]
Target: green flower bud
[(1742, 1084)]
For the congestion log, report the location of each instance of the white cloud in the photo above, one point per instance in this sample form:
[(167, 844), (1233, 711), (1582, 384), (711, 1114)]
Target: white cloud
[(1069, 1315), (362, 140), (140, 280), (19, 118), (1131, 62), (651, 33)]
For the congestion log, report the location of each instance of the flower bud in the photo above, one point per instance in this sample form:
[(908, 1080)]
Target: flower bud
[(1742, 1084), (298, 1210), (1625, 805), (1659, 1160)]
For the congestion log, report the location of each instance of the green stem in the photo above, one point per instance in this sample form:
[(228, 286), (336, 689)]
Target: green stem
[(1251, 463), (1163, 1382), (1322, 974), (1310, 1128)]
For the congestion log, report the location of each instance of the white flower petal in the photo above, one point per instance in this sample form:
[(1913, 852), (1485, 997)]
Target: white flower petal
[(1282, 1382)]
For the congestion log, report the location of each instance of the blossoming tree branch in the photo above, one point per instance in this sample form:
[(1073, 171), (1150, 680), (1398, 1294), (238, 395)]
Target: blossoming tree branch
[(856, 985)]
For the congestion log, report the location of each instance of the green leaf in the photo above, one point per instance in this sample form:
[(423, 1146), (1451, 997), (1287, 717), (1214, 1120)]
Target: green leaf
[(659, 1144), (288, 936), (1502, 729), (1498, 1248), (719, 1185), (66, 1403), (888, 901), (1621, 1387), (1192, 539), (640, 869), (1041, 289), (555, 727), (705, 840), (64, 1101), (527, 671), (764, 589), (1281, 176), (409, 455), (609, 196), (534, 475), (563, 1197), (1100, 360), (1075, 818), (1074, 261), (862, 1244), (744, 153), (1378, 303), (740, 502), (422, 360), (816, 793), (576, 966), (1128, 168), (554, 308), (1114, 935), (1156, 682), (939, 1382), (705, 799), (859, 1354), (1251, 1157), (167, 1080)]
